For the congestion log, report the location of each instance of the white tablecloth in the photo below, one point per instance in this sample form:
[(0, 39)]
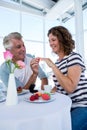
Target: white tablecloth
[(53, 115)]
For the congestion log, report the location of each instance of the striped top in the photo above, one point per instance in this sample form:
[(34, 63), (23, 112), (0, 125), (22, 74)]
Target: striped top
[(79, 96)]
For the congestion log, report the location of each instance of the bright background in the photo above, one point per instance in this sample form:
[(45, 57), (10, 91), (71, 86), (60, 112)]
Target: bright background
[(34, 31)]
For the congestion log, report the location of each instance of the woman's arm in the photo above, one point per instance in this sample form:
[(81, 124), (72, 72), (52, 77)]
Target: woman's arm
[(69, 81)]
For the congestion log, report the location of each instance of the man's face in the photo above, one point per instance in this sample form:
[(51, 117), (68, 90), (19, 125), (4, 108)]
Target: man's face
[(18, 50)]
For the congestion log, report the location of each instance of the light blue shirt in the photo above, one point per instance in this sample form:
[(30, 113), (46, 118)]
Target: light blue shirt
[(4, 74)]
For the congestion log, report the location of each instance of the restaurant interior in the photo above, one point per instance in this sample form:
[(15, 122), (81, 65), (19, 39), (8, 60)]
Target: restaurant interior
[(33, 19)]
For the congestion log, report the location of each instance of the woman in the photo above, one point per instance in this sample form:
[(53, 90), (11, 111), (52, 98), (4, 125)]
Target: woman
[(69, 74)]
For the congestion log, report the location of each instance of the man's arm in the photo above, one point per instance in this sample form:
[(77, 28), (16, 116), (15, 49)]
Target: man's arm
[(43, 77), (31, 80), (44, 81), (34, 67), (39, 72)]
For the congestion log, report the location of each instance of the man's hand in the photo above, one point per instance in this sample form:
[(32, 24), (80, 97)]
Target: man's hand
[(34, 65)]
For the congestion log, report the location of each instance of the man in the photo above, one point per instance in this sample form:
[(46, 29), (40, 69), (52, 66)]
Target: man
[(27, 76)]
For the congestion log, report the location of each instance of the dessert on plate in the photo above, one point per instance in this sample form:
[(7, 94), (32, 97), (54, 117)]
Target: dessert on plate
[(39, 95), (19, 89)]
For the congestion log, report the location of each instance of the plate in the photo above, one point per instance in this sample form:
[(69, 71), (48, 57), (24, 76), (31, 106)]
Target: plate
[(24, 91), (2, 99), (39, 100)]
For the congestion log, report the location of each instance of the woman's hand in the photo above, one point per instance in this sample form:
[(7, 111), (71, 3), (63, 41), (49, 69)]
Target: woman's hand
[(48, 61)]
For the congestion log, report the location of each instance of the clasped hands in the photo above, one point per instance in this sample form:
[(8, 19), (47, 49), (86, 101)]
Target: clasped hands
[(35, 63)]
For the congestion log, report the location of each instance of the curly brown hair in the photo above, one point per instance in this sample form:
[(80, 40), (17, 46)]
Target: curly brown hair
[(64, 37)]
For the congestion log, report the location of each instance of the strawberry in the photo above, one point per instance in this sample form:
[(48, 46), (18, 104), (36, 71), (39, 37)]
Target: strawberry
[(36, 96), (32, 98), (45, 96)]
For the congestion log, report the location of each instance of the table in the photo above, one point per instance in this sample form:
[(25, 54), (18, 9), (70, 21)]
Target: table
[(53, 115)]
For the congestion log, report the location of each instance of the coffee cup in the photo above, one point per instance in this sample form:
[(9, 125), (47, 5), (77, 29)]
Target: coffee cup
[(47, 88)]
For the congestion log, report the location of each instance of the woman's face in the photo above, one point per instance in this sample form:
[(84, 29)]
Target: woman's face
[(54, 43)]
